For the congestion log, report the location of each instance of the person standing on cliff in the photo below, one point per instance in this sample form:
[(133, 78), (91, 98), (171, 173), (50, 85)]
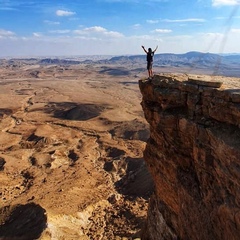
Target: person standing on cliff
[(150, 55)]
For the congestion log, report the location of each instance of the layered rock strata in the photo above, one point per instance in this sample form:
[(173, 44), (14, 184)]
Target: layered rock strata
[(193, 155)]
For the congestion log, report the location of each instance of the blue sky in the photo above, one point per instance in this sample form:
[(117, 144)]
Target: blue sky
[(117, 27)]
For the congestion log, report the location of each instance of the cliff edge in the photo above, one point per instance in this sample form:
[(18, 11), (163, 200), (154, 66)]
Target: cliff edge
[(193, 155)]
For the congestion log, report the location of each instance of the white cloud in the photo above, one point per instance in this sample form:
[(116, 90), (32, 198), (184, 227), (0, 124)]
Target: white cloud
[(162, 31), (61, 31), (225, 2), (184, 20), (6, 33), (79, 32), (235, 30), (152, 21), (99, 40), (136, 26), (62, 13), (212, 34), (87, 38), (36, 34), (98, 31), (113, 34), (95, 29)]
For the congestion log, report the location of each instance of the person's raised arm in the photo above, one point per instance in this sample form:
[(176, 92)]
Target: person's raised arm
[(144, 49), (155, 49)]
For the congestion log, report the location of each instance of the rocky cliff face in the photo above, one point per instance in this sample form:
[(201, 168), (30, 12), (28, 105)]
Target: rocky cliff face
[(193, 154)]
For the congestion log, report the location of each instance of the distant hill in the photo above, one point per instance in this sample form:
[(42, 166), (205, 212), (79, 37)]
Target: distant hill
[(227, 65), (57, 61), (189, 58), (224, 64)]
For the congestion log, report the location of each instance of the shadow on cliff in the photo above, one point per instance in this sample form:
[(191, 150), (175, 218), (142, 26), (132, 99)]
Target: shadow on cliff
[(22, 222), (234, 90), (137, 182)]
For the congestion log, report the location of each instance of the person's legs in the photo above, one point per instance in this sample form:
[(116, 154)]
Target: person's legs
[(149, 73), (149, 68)]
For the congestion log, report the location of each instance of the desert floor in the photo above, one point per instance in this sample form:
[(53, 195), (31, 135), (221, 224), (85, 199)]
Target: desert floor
[(71, 152)]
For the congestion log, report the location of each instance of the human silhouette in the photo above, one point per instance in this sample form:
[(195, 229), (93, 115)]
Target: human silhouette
[(150, 55)]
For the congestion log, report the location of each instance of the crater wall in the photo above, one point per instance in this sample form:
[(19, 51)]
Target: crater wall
[(193, 155)]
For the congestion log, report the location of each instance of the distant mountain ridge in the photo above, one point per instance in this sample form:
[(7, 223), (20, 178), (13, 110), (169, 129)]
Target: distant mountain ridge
[(172, 58), (159, 59), (227, 65), (224, 64)]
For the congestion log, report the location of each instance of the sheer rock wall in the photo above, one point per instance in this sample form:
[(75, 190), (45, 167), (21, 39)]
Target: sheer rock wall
[(193, 155)]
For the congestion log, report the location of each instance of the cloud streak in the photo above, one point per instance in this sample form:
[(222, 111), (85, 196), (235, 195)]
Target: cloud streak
[(198, 20), (235, 30), (217, 3), (64, 31), (5, 33), (98, 31), (62, 13), (152, 21), (162, 31), (97, 40)]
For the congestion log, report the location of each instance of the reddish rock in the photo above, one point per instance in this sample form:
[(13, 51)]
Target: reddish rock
[(193, 156)]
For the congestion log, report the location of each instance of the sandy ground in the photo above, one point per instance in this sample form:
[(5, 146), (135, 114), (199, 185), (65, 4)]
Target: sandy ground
[(71, 143)]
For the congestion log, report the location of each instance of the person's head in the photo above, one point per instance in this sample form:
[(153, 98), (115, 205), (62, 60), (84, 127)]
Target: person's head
[(150, 50)]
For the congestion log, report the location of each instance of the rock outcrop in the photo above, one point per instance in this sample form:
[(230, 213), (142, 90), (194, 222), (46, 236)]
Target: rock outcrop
[(193, 155)]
